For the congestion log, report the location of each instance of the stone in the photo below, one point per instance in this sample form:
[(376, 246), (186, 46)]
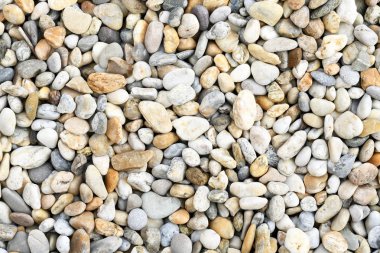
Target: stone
[(297, 241), (75, 20), (131, 160), (264, 73), (38, 242), (151, 202), (329, 209), (181, 244), (268, 12), (105, 82), (31, 68), (7, 122), (348, 125), (244, 110), (156, 115), (110, 14), (190, 128), (30, 157)]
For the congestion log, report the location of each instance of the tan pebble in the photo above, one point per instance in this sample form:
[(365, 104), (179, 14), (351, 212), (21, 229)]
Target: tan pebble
[(79, 84), (260, 166), (75, 208), (223, 227), (83, 221), (229, 43), (107, 228), (26, 5), (13, 14), (162, 141), (186, 44), (171, 39), (340, 221), (43, 49), (275, 93), (61, 203), (111, 180), (331, 22), (209, 77), (370, 77), (105, 82), (264, 102), (260, 54), (262, 239), (188, 109), (363, 174), (221, 62), (334, 242), (40, 215), (131, 160), (47, 201), (197, 176), (55, 36), (375, 159), (31, 105), (370, 126), (94, 204), (249, 239), (213, 4), (139, 31), (314, 184), (181, 191), (213, 49), (179, 217), (80, 241), (114, 130), (313, 120), (225, 82), (99, 144), (305, 83), (277, 110), (315, 28)]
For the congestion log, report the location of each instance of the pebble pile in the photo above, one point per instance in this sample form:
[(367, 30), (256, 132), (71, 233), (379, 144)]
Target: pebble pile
[(188, 126)]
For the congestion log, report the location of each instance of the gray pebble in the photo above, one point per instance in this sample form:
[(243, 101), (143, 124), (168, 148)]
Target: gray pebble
[(39, 174), (6, 74), (202, 15), (14, 201), (86, 43), (161, 59), (323, 78), (22, 50), (19, 243), (108, 35), (99, 123), (108, 244), (168, 230), (343, 167), (220, 14), (58, 162)]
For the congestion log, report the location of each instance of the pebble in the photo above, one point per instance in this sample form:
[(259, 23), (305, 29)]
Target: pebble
[(8, 122), (37, 241), (264, 73), (151, 201), (346, 121)]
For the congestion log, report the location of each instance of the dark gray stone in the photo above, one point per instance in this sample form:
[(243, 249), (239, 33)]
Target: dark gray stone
[(171, 4), (202, 15), (86, 43), (58, 162), (108, 35), (343, 167), (325, 9), (31, 30), (19, 243)]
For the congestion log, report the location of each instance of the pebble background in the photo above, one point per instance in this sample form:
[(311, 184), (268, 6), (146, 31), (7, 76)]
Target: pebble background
[(188, 126)]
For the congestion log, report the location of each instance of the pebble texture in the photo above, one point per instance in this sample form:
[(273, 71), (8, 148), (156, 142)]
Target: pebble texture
[(189, 126)]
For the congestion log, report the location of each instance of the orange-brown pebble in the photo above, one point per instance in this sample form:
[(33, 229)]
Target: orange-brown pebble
[(111, 180), (180, 217)]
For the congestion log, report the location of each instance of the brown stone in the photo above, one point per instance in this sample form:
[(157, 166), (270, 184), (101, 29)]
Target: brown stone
[(197, 176), (119, 66), (107, 228), (114, 130), (305, 83), (105, 82), (94, 204), (162, 141), (295, 4), (80, 242), (61, 203), (295, 57), (111, 180), (22, 219), (315, 28), (375, 159), (31, 105), (370, 77), (131, 159), (223, 227), (264, 102), (55, 36), (84, 221)]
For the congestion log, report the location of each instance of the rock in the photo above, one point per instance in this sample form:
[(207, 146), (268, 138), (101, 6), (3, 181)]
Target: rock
[(190, 128), (297, 241), (264, 73), (137, 219), (348, 125), (131, 160), (59, 5), (111, 243), (30, 157), (210, 239), (363, 174), (110, 14), (105, 82), (13, 14), (38, 242), (244, 110), (156, 115), (75, 20), (325, 8), (151, 202), (365, 35), (175, 77), (7, 232), (334, 242), (95, 182), (268, 12), (181, 244), (329, 209), (7, 122)]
